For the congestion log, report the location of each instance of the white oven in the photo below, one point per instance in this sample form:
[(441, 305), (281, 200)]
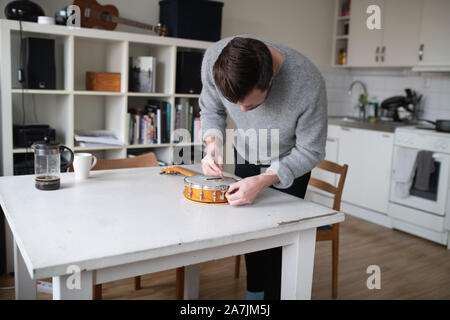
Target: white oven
[(435, 199), (424, 213)]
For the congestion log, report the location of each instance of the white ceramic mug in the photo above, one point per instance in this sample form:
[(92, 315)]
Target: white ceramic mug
[(82, 165)]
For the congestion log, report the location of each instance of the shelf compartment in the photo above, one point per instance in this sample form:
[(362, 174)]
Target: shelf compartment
[(188, 77), (63, 58), (140, 102), (99, 55), (53, 110), (342, 28), (341, 44), (100, 113), (165, 64)]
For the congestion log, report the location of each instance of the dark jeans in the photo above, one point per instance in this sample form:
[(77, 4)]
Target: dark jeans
[(264, 267)]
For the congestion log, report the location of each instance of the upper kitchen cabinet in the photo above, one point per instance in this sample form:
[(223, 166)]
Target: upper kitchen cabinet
[(364, 45), (401, 33), (395, 44), (434, 48)]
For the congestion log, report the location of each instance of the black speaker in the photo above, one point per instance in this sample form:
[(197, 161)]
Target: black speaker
[(39, 62), (189, 65), (192, 19)]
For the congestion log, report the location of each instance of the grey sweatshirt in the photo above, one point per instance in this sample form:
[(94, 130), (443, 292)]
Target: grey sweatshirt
[(296, 106)]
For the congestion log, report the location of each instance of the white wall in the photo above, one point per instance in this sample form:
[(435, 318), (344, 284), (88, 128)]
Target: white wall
[(305, 25), (139, 10)]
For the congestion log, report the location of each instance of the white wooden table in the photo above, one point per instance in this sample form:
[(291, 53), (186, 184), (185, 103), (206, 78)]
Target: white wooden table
[(124, 223)]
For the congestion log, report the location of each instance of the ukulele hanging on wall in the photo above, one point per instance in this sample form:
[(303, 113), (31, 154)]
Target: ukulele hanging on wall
[(107, 17)]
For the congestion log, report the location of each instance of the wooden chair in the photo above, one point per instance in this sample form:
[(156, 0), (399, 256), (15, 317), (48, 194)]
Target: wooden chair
[(145, 160), (325, 233)]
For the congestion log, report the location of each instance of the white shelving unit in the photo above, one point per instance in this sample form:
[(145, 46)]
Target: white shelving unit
[(70, 107), (340, 38)]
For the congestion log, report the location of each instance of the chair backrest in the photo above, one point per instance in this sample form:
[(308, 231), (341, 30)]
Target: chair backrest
[(145, 160), (327, 187)]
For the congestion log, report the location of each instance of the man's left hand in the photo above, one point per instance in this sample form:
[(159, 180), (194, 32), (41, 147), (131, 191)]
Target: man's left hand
[(245, 191)]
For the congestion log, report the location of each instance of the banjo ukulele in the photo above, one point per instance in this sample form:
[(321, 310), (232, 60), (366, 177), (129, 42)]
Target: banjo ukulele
[(202, 188)]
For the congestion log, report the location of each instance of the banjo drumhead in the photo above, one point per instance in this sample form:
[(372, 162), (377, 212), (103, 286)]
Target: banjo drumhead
[(209, 183)]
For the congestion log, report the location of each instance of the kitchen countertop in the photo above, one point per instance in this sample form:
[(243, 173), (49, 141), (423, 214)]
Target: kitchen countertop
[(350, 122)]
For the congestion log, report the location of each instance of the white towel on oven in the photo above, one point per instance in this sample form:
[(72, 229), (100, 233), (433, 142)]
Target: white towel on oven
[(403, 171)]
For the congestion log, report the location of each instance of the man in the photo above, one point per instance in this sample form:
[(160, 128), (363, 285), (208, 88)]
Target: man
[(263, 85)]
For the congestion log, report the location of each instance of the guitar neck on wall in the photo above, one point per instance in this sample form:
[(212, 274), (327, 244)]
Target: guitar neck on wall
[(107, 17)]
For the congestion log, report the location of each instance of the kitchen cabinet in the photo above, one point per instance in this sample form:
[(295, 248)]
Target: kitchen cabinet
[(401, 33), (369, 157), (395, 44), (364, 44), (435, 34)]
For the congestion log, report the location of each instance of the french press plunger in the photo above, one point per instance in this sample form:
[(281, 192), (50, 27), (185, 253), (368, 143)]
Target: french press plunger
[(47, 164)]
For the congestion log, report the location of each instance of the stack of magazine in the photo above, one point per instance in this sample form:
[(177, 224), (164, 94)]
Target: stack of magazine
[(97, 138)]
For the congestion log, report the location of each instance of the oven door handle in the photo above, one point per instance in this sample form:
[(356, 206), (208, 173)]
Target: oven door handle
[(439, 157)]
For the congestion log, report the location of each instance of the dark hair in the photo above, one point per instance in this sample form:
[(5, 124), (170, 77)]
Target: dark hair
[(244, 64)]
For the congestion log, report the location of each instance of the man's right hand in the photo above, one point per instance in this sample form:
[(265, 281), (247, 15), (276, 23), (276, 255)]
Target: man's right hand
[(212, 163)]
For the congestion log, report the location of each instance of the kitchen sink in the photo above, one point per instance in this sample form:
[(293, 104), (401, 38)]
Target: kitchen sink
[(345, 119), (354, 122), (348, 119)]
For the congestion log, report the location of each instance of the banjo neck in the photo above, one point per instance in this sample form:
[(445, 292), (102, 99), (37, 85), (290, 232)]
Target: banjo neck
[(176, 170), (132, 23)]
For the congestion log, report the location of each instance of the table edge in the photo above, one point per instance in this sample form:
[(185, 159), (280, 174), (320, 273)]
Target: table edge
[(42, 272)]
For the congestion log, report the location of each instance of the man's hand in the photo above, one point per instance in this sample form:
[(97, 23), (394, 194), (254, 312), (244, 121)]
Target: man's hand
[(245, 191), (212, 163)]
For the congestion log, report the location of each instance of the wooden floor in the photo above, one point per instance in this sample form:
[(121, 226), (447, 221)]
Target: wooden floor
[(411, 268)]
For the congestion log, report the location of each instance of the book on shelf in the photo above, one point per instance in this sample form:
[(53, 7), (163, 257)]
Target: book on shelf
[(142, 74), (150, 124), (185, 118), (98, 137), (196, 130)]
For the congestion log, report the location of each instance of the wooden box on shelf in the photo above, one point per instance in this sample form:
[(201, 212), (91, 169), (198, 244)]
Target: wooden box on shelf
[(103, 81)]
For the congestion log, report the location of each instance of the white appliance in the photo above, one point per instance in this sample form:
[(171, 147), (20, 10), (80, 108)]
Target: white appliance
[(425, 214)]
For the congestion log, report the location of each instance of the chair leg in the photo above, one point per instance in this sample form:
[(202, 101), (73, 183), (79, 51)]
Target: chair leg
[(335, 257), (237, 266), (179, 291), (137, 283), (97, 292)]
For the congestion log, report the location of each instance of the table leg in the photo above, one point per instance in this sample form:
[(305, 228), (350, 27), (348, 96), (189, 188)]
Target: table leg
[(77, 286), (191, 281), (25, 286), (297, 266)]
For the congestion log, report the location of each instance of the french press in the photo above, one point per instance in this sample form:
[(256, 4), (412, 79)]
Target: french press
[(47, 164)]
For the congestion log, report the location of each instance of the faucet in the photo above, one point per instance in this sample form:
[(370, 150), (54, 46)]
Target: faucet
[(361, 105)]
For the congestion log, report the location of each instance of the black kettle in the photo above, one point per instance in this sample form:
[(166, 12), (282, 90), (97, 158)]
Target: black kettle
[(409, 103)]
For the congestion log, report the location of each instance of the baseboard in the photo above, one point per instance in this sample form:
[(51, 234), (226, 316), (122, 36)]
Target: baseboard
[(355, 211)]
